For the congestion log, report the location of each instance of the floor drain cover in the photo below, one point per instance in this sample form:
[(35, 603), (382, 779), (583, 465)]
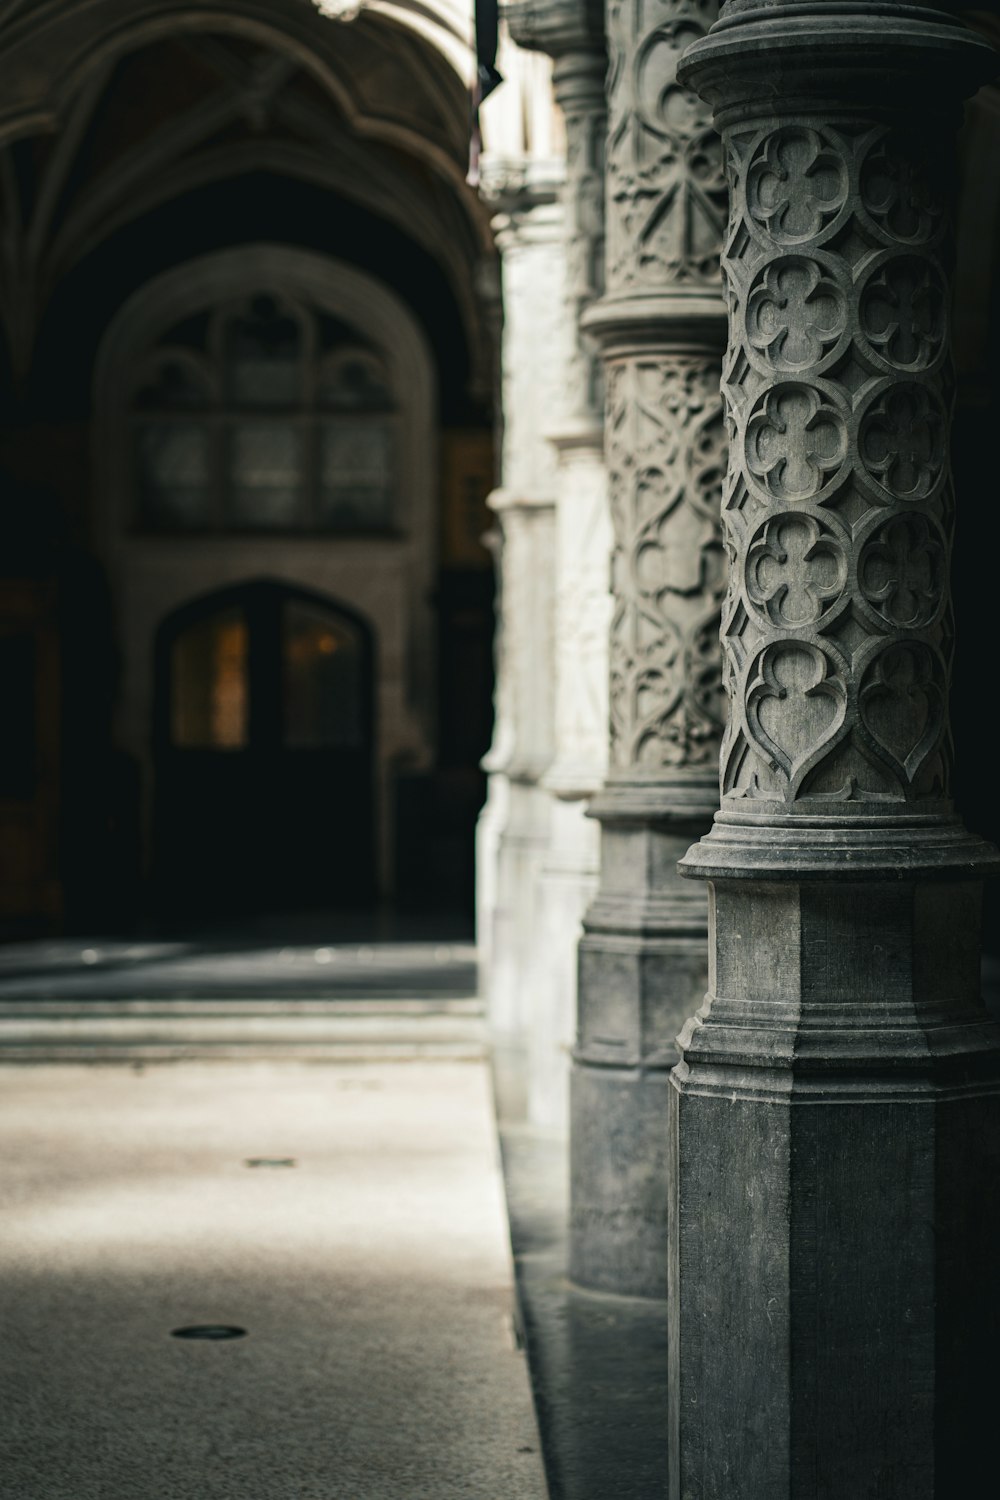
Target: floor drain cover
[(209, 1331), (271, 1161)]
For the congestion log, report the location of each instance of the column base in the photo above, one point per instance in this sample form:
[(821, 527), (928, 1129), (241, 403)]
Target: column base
[(513, 981), (643, 971), (834, 1158), (618, 1174), (566, 886)]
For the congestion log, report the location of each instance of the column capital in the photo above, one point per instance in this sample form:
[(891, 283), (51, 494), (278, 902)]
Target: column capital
[(558, 27), (835, 55), (515, 186)]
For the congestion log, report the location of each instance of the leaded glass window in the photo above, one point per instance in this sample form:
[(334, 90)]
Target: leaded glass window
[(264, 415)]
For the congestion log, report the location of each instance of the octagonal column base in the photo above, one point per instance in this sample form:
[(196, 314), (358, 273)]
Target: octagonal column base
[(834, 1154)]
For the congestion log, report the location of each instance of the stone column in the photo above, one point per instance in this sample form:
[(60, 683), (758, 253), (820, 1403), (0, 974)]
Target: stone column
[(572, 33), (514, 827), (662, 329), (835, 1116)]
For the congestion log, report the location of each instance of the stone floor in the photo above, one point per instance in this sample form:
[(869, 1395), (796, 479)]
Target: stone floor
[(598, 1363), (366, 1256), (240, 996)]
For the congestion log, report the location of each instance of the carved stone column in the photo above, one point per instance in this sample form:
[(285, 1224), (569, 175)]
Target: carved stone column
[(514, 827), (662, 330), (835, 1311), (572, 33)]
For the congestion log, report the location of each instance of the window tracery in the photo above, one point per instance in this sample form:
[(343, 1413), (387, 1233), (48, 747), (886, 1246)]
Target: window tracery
[(263, 414)]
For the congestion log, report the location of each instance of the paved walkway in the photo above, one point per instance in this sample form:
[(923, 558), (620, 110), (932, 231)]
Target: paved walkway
[(372, 1277), (238, 998)]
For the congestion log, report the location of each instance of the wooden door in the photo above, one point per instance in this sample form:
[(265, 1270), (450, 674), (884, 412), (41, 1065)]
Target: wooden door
[(264, 754)]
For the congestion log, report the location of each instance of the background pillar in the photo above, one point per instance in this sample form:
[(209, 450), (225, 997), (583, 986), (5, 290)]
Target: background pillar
[(661, 326), (514, 826), (573, 35), (834, 1307)]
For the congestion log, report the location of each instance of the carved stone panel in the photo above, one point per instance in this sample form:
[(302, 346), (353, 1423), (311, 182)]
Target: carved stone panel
[(838, 508), (666, 460), (666, 184)]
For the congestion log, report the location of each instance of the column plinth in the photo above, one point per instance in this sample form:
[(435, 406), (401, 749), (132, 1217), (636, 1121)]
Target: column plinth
[(835, 1113), (661, 330)]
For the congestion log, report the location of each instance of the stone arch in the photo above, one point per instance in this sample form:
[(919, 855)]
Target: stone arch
[(51, 50), (372, 110)]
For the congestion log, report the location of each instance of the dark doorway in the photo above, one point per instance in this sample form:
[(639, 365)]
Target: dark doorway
[(263, 745)]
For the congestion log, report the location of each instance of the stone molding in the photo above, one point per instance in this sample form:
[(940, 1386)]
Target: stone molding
[(557, 27)]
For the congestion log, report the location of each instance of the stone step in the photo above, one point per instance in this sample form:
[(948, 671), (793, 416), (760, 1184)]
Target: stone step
[(149, 1031)]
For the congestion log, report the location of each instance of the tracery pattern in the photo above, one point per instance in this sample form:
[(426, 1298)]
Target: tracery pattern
[(665, 431), (666, 459), (666, 179), (838, 501)]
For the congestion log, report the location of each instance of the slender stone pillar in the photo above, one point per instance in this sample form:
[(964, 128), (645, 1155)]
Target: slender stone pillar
[(514, 827), (662, 329), (572, 33), (835, 1309)]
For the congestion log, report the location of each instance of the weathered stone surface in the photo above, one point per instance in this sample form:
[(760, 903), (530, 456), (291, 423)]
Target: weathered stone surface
[(835, 1115), (661, 328)]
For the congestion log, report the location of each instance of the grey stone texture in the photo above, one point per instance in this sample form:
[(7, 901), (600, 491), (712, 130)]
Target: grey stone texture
[(661, 325), (835, 1115)]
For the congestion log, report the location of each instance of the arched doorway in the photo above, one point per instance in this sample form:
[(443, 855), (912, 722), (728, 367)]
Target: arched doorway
[(263, 752), (269, 413)]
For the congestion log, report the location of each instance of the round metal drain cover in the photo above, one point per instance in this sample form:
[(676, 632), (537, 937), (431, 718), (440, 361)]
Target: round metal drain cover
[(209, 1331)]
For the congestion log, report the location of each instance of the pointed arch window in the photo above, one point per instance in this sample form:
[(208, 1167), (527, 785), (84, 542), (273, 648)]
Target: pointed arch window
[(264, 415)]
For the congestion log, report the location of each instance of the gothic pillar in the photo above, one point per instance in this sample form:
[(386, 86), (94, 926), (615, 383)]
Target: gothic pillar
[(835, 1116), (514, 827), (572, 33), (661, 326)]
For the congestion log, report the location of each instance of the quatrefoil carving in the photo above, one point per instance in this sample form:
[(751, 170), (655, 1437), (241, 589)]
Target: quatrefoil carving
[(903, 312), (902, 441), (900, 197), (795, 442), (797, 185), (795, 313), (794, 570), (902, 570)]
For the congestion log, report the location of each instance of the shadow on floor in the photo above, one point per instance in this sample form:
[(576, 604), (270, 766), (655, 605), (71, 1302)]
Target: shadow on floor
[(374, 954), (598, 1363)]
